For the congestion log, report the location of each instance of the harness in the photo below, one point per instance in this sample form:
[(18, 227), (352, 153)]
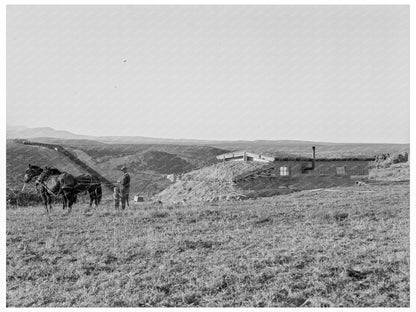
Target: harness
[(38, 181), (91, 181), (47, 189)]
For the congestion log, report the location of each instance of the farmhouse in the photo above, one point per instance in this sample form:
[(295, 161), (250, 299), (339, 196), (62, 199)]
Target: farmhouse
[(245, 156), (308, 173)]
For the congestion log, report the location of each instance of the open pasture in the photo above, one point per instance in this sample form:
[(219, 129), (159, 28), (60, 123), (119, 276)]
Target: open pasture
[(339, 247)]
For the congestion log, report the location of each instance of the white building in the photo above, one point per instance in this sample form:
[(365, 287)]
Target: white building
[(245, 156)]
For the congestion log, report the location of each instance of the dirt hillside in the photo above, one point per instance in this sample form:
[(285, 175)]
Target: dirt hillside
[(208, 184)]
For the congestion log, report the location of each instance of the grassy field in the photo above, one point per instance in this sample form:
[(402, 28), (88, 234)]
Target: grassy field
[(339, 247)]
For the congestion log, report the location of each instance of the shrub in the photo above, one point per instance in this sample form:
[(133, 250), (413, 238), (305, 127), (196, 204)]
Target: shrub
[(386, 160), (17, 198)]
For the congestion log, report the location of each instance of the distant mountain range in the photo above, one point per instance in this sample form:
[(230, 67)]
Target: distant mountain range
[(268, 147), (22, 132)]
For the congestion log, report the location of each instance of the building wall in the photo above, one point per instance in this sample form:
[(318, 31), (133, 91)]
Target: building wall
[(323, 176), (323, 168)]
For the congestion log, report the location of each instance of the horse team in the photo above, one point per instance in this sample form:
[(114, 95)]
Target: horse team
[(51, 182)]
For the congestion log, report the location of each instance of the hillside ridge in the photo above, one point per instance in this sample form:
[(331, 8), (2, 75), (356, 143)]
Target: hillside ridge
[(73, 158)]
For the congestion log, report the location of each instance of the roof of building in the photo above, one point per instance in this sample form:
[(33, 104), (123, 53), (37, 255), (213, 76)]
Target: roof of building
[(324, 159), (289, 158), (241, 154)]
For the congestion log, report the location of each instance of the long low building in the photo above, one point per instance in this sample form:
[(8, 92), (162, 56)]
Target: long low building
[(245, 156), (308, 173)]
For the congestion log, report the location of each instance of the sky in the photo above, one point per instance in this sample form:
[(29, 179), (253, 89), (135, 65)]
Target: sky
[(317, 73)]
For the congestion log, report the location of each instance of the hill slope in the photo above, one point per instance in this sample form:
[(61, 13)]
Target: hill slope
[(208, 184), (148, 164), (270, 147), (315, 249), (18, 156)]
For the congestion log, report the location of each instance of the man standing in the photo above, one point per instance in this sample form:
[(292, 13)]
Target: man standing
[(124, 188)]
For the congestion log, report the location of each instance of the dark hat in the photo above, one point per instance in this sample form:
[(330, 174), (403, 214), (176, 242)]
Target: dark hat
[(123, 168)]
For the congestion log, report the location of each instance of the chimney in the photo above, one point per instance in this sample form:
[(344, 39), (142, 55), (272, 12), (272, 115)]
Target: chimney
[(313, 157)]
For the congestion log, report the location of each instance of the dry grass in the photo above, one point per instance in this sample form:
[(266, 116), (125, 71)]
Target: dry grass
[(396, 172), (345, 247), (210, 183)]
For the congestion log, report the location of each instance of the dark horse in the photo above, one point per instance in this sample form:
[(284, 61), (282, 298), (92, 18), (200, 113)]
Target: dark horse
[(92, 185), (52, 182)]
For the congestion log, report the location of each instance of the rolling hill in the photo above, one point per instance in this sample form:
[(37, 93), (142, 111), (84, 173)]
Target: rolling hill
[(268, 147), (148, 164), (323, 150), (13, 132), (18, 156)]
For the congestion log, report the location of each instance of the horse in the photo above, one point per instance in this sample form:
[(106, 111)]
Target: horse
[(92, 185), (52, 182), (35, 171)]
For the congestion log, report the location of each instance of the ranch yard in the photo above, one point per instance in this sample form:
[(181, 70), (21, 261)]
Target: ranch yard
[(340, 247)]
